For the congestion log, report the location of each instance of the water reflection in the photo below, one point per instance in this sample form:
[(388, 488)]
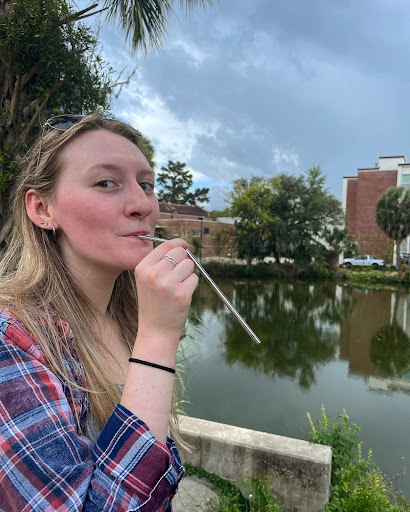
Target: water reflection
[(304, 326), (321, 344)]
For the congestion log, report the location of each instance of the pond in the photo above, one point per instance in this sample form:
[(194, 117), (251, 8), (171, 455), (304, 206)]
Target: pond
[(327, 344)]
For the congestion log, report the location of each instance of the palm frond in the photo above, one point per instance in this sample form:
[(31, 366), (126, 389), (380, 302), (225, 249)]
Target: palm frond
[(144, 22)]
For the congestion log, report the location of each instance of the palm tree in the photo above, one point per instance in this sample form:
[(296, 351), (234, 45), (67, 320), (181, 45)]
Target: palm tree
[(143, 22), (393, 216)]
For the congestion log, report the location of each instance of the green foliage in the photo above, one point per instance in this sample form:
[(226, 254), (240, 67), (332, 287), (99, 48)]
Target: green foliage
[(338, 241), (393, 212), (370, 276), (144, 22), (307, 214), (342, 437), (357, 485), (221, 240), (288, 216), (390, 348), (149, 150), (197, 245), (220, 213), (176, 181), (286, 272), (393, 216), (55, 58), (249, 204), (259, 493)]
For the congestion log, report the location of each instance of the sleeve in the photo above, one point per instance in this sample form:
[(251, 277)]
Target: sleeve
[(46, 466)]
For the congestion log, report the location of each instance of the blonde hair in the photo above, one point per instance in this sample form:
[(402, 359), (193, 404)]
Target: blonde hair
[(36, 281)]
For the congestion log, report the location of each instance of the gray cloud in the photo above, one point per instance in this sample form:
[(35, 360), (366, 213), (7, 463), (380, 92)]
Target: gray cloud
[(261, 87)]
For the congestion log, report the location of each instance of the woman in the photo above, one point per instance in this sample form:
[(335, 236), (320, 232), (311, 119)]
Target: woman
[(81, 427)]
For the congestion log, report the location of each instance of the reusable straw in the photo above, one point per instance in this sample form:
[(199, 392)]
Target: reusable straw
[(213, 285)]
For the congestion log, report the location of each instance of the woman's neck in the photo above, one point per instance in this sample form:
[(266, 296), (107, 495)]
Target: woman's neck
[(97, 286)]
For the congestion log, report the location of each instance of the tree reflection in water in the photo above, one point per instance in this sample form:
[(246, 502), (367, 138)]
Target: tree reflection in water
[(390, 347), (298, 325)]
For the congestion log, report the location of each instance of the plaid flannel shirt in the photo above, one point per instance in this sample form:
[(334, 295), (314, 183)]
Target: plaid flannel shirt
[(46, 466)]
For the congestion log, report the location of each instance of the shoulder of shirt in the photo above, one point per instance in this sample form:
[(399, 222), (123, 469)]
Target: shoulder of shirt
[(7, 317)]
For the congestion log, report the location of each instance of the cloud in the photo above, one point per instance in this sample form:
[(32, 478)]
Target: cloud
[(173, 136), (285, 161), (259, 87), (195, 54), (217, 195)]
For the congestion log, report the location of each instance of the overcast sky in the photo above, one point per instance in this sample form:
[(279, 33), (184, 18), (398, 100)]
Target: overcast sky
[(258, 87)]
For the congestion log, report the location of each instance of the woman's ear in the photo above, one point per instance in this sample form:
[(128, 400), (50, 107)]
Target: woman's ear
[(38, 209)]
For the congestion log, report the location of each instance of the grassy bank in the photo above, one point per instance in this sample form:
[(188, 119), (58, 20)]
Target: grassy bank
[(291, 272), (284, 271)]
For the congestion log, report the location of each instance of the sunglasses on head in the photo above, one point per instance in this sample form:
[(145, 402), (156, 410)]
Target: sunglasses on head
[(63, 122)]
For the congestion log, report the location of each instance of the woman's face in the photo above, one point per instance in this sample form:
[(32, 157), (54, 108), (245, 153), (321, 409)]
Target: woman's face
[(104, 199)]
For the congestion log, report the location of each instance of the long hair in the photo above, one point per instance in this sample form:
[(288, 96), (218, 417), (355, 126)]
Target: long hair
[(36, 281)]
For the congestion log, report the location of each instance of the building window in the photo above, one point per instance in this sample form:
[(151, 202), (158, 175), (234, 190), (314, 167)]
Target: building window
[(206, 231), (196, 234)]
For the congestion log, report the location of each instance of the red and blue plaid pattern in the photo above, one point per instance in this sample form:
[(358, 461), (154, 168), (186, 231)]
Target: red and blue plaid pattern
[(46, 466)]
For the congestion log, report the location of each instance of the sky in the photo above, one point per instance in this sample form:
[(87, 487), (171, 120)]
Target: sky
[(260, 87)]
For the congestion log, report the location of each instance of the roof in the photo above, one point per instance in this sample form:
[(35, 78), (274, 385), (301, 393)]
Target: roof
[(183, 209)]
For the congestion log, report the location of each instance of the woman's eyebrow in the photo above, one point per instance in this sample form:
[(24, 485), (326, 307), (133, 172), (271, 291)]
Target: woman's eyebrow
[(118, 167)]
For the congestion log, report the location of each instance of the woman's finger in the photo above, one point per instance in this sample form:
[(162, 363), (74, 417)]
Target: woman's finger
[(156, 255)]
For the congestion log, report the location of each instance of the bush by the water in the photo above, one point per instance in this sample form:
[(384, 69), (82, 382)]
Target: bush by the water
[(284, 271), (368, 276)]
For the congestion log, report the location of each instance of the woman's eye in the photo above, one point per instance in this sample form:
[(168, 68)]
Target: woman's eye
[(145, 185), (106, 184)]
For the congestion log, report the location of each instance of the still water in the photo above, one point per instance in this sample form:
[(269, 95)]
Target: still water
[(325, 344)]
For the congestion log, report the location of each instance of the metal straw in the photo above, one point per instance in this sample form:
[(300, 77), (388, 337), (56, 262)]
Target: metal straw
[(213, 285)]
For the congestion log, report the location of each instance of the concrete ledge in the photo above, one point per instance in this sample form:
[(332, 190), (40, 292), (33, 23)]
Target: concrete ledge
[(304, 469)]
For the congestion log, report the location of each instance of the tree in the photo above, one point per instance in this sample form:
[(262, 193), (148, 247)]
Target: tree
[(250, 202), (393, 217), (221, 240), (149, 150), (143, 22), (220, 213), (176, 181), (306, 211), (338, 241)]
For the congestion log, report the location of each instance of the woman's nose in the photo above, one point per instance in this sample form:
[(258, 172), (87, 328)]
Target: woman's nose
[(138, 203)]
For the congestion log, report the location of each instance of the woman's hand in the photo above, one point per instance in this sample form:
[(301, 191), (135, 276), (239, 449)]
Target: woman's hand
[(165, 291), (165, 288)]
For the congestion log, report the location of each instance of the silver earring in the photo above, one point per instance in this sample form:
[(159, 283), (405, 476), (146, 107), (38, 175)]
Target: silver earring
[(54, 231), (42, 223)]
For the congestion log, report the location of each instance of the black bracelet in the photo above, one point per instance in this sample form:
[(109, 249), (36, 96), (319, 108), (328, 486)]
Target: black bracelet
[(154, 365)]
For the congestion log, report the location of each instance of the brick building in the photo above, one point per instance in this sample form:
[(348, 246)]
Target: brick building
[(360, 195), (192, 222)]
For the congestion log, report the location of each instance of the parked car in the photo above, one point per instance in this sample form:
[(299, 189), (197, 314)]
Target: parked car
[(405, 257), (363, 260)]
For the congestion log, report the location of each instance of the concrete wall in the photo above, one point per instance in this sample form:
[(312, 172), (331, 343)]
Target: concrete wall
[(303, 469)]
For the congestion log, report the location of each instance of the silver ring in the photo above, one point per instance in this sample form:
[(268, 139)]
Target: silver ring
[(171, 259)]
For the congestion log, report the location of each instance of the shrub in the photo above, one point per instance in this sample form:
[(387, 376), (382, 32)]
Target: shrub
[(357, 485)]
